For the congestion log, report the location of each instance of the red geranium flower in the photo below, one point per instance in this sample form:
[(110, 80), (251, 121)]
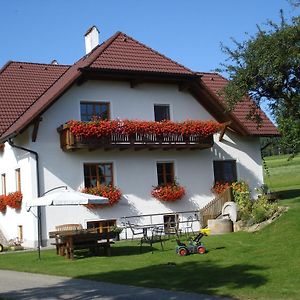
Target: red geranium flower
[(14, 200), (219, 187), (112, 193), (168, 192), (104, 128), (3, 204)]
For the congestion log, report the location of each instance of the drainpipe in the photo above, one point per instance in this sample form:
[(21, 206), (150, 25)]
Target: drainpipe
[(10, 142)]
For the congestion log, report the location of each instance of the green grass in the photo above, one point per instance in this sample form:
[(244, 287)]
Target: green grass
[(284, 174), (262, 265)]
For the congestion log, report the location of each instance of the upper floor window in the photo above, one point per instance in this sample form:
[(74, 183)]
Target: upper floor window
[(161, 112), (3, 184), (225, 170), (91, 110), (18, 180), (165, 173), (98, 174)]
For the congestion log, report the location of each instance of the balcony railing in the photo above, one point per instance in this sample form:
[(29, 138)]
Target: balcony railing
[(136, 141)]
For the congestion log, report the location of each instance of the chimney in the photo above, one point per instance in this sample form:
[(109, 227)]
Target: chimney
[(91, 39)]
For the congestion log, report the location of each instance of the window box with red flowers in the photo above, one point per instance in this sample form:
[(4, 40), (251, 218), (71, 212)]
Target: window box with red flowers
[(111, 192), (3, 204), (99, 133), (219, 187), (14, 200), (104, 128), (169, 192)]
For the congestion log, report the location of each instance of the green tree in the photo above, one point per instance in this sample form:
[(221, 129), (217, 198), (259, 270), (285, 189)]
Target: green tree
[(267, 68)]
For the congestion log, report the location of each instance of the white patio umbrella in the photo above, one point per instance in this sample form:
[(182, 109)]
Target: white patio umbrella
[(66, 197), (63, 197)]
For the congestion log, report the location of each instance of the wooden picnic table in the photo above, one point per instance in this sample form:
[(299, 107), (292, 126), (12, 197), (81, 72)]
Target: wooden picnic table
[(68, 241)]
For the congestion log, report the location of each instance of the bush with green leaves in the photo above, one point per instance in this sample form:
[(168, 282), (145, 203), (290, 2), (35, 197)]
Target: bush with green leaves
[(251, 211)]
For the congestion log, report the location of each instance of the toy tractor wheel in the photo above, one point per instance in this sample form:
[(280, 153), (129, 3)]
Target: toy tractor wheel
[(1, 248), (201, 250), (182, 252)]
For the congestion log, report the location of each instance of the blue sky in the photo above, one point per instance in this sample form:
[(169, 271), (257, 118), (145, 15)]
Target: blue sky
[(188, 31)]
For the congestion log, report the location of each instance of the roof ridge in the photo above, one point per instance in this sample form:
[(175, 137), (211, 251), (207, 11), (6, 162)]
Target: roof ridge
[(37, 63), (210, 73), (97, 49), (158, 53)]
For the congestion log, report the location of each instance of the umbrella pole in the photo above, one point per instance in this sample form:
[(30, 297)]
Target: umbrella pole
[(39, 230)]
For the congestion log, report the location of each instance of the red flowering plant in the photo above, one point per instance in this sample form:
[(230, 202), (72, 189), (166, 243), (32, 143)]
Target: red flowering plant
[(168, 192), (219, 187), (111, 192), (3, 204), (14, 200), (104, 128)]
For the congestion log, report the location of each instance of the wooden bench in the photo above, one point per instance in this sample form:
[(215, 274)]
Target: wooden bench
[(70, 237), (63, 229)]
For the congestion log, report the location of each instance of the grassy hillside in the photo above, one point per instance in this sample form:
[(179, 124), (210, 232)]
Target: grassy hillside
[(284, 174)]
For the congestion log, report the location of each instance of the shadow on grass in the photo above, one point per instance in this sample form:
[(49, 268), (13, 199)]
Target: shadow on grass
[(289, 194), (115, 251), (198, 277)]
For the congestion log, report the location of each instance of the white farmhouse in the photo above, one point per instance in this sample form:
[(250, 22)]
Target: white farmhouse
[(120, 79)]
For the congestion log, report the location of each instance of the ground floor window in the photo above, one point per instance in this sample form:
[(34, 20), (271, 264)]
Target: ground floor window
[(97, 174), (225, 171), (171, 223), (101, 225), (165, 173)]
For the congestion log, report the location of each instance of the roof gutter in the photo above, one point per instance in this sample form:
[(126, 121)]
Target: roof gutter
[(11, 143)]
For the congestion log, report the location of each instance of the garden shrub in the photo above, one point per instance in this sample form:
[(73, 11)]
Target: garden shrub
[(251, 211)]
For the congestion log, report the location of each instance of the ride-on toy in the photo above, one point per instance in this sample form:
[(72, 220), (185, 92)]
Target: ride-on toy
[(194, 246)]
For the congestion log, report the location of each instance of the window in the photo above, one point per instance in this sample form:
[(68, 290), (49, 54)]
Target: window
[(161, 112), (20, 232), (3, 184), (165, 173), (18, 180), (225, 170), (98, 174), (102, 226), (90, 110), (170, 223)]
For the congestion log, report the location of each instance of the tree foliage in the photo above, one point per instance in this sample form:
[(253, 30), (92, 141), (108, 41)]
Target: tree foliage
[(267, 68)]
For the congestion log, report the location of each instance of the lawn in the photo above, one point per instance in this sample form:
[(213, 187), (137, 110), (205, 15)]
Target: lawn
[(262, 265)]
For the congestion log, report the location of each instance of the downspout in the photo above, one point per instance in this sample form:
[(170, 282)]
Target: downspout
[(10, 142)]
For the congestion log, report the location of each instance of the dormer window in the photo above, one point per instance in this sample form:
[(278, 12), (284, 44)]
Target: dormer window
[(161, 112), (92, 110)]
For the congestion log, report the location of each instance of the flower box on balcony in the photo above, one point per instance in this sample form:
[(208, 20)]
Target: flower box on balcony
[(125, 134)]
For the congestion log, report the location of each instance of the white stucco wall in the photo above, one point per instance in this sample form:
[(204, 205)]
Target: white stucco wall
[(12, 159), (134, 172)]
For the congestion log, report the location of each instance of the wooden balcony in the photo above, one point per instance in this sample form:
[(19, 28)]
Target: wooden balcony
[(70, 142)]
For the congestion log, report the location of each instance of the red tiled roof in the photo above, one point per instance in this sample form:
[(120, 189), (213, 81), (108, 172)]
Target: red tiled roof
[(215, 82), (125, 53), (21, 84), (28, 89)]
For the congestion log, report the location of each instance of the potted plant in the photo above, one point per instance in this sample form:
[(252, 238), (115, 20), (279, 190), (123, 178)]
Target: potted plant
[(3, 204), (115, 232), (168, 192), (219, 187), (109, 191), (14, 200)]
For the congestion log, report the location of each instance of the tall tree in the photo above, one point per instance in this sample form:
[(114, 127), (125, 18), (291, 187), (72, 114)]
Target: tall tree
[(267, 68)]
